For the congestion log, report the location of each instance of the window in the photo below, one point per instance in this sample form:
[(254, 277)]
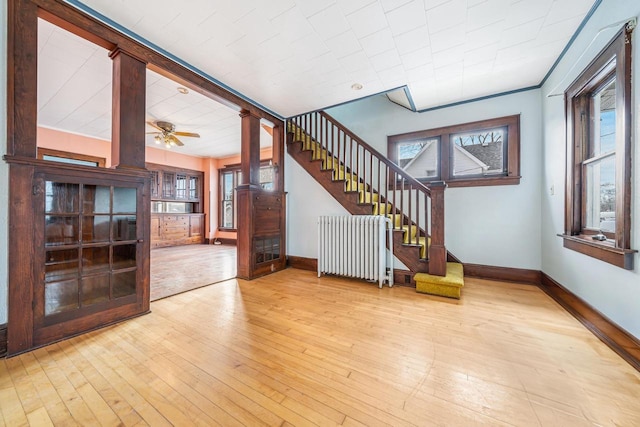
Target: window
[(72, 158), (230, 177), (598, 199), (229, 180), (470, 154)]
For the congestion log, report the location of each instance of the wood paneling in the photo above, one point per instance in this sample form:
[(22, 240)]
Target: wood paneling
[(22, 275), (293, 349), (608, 332), (129, 109), (261, 224), (310, 264), (519, 275), (3, 340)]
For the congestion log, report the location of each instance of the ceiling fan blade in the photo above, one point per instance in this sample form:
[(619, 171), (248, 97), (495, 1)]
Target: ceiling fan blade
[(268, 129), (189, 134), (155, 126), (175, 140)]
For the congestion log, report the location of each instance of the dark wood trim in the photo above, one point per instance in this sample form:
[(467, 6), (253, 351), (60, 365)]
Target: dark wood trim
[(604, 251), (22, 275), (403, 278), (3, 340), (620, 341), (161, 168), (224, 241), (512, 175), (47, 165), (302, 263), (128, 110), (99, 161), (613, 61), (507, 274)]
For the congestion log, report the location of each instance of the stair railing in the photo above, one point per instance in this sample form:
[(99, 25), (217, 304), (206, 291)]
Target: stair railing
[(379, 181)]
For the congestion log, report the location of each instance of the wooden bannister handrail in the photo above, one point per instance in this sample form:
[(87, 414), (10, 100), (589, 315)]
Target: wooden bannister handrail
[(386, 161)]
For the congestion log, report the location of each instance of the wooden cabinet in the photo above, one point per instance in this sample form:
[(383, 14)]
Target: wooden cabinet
[(174, 230), (176, 200), (261, 232), (169, 183)]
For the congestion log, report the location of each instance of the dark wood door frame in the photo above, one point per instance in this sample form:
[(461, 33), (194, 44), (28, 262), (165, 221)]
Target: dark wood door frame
[(130, 60)]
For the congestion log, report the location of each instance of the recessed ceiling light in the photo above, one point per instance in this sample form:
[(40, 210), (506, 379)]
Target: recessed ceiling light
[(183, 90), (356, 86)]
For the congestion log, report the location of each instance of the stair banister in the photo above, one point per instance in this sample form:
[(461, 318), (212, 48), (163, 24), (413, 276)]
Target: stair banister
[(316, 131)]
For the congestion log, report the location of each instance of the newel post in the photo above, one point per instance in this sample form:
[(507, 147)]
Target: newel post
[(437, 249)]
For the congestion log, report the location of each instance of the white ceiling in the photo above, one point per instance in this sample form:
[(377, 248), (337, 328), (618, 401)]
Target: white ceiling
[(294, 56)]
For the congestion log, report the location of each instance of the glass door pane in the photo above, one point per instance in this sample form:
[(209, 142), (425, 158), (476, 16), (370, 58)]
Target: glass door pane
[(91, 244)]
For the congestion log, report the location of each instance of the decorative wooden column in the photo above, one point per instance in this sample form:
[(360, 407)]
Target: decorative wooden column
[(250, 168), (250, 148), (261, 214), (128, 117), (437, 249)]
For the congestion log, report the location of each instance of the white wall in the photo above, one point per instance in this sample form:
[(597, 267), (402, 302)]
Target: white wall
[(306, 201), (497, 225), (4, 168), (611, 290)]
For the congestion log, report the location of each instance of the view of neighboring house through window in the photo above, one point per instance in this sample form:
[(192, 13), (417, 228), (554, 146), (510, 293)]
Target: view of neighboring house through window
[(470, 154), (598, 199), (479, 153), (230, 178)]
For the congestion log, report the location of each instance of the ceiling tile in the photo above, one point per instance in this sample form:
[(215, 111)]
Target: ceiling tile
[(367, 20), (407, 17), (344, 44), (389, 5), (449, 15), (329, 22), (412, 40), (385, 60), (378, 42)]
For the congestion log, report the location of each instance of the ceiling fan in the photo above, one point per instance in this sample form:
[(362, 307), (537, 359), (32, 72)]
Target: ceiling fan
[(167, 134)]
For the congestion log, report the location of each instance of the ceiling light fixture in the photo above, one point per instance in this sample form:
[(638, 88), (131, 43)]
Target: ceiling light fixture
[(183, 90), (356, 86), (164, 139)]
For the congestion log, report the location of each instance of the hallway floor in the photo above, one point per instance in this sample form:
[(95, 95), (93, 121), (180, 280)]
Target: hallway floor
[(182, 268)]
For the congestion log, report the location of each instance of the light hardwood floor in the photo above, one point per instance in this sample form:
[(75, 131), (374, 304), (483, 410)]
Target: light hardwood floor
[(292, 349), (183, 268)]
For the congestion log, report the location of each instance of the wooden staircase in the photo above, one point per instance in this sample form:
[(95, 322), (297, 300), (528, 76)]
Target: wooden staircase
[(365, 183)]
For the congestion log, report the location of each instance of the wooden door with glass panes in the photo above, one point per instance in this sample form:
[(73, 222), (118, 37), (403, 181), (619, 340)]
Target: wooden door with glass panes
[(91, 268)]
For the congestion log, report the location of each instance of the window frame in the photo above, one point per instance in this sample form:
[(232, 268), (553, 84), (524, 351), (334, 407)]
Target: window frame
[(100, 162), (445, 151), (614, 61), (235, 169)]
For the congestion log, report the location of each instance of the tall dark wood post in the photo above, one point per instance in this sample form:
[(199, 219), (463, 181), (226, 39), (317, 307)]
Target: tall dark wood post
[(250, 146), (250, 168), (129, 91), (437, 249), (278, 157)]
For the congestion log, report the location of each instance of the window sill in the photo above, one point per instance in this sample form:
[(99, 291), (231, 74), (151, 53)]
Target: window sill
[(234, 230), (604, 251), (482, 182)]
